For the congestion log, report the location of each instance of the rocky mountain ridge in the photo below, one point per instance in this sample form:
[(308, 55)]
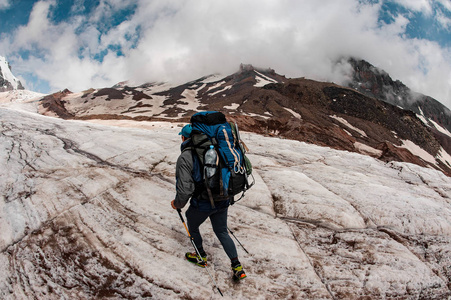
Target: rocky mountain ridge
[(8, 81), (262, 101), (377, 83)]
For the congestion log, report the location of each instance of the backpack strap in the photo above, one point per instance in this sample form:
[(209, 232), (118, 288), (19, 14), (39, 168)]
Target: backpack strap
[(212, 202), (196, 172), (200, 184)]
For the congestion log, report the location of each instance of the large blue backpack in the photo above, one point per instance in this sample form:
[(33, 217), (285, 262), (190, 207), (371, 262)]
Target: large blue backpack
[(233, 167)]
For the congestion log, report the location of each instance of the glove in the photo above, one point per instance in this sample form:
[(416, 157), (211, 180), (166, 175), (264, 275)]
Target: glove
[(173, 205)]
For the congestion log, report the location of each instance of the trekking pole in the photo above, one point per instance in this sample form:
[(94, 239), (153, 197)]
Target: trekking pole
[(237, 240), (197, 250)]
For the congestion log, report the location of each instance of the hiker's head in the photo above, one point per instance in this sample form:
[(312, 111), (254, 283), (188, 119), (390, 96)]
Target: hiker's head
[(186, 131)]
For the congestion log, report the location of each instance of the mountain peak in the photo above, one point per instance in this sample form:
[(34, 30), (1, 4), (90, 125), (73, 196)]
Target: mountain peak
[(374, 82), (246, 67), (249, 67), (8, 81)]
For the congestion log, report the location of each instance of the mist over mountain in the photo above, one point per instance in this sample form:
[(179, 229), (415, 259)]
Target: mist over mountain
[(377, 83)]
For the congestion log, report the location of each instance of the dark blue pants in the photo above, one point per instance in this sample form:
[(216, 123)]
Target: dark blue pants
[(218, 220)]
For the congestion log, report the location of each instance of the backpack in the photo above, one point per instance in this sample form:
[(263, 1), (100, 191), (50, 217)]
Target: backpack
[(210, 129)]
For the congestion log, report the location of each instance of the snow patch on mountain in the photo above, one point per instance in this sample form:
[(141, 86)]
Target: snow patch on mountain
[(429, 121), (233, 106), (262, 80), (444, 156), (16, 96), (418, 151), (21, 99), (214, 78), (157, 88), (347, 124), (422, 117), (7, 76), (228, 87), (216, 85), (440, 128), (295, 114), (365, 149)]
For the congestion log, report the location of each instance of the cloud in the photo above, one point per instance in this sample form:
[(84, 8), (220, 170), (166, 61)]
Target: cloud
[(4, 4), (183, 40), (446, 4), (424, 6), (444, 21), (38, 27)]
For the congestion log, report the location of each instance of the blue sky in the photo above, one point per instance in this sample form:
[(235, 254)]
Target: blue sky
[(57, 44), (422, 24)]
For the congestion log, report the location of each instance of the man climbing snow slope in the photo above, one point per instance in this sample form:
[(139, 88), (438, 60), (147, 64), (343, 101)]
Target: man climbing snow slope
[(188, 189)]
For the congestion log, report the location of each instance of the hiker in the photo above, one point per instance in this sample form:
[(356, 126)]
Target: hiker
[(200, 207)]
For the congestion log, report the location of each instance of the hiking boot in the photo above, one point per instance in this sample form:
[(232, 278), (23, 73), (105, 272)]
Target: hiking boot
[(238, 272), (195, 259)]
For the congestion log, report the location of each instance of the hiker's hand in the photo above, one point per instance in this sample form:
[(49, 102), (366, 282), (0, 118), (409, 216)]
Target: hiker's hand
[(172, 204)]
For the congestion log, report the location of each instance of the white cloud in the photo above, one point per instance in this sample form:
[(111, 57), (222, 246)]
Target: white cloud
[(443, 20), (424, 6), (446, 4), (4, 4), (78, 6), (183, 40), (106, 9), (430, 8), (38, 29)]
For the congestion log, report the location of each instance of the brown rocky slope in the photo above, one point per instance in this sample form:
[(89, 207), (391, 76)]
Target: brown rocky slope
[(262, 101)]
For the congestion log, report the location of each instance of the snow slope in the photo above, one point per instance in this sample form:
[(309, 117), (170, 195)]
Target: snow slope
[(18, 96), (85, 213)]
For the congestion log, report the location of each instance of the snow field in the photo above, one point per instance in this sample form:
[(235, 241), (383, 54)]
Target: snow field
[(85, 213)]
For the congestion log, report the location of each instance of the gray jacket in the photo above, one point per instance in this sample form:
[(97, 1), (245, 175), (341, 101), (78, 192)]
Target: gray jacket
[(185, 185)]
